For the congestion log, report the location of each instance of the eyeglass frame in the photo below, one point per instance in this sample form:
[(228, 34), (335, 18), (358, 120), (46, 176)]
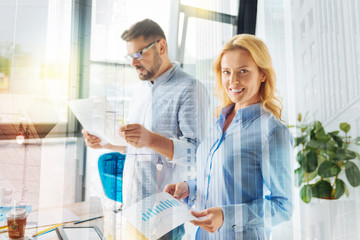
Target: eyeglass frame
[(130, 57)]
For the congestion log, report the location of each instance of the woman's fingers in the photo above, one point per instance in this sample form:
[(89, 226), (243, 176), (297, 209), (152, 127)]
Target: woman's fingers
[(213, 220), (199, 214)]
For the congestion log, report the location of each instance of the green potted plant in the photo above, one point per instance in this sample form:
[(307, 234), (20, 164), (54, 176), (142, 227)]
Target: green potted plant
[(322, 156)]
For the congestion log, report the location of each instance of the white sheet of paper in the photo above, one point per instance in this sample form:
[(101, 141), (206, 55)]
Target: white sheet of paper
[(98, 118), (157, 214), (50, 217), (81, 234), (48, 236)]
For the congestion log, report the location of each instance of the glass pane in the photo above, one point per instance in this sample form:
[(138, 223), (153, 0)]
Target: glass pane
[(111, 17), (34, 85), (34, 59), (109, 75), (204, 40), (223, 6)]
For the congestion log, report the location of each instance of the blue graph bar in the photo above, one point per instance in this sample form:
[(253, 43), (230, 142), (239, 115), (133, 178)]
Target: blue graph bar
[(176, 202), (153, 212), (149, 212), (166, 205), (162, 207), (170, 203), (159, 209), (166, 202), (145, 216), (154, 209)]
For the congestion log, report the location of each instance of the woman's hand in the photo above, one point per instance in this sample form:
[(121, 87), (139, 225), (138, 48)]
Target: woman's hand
[(178, 190), (213, 221)]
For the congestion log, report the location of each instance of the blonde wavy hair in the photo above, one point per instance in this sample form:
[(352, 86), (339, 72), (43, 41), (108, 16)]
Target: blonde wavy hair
[(262, 58)]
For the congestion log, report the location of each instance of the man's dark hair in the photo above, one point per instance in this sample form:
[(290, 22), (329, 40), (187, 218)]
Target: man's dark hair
[(147, 28)]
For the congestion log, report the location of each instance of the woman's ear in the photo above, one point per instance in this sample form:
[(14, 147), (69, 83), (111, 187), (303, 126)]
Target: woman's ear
[(263, 78)]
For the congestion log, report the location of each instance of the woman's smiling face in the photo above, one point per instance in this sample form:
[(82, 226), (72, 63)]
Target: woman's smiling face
[(241, 77)]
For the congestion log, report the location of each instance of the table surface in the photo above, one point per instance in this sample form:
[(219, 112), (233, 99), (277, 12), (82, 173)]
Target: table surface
[(111, 225)]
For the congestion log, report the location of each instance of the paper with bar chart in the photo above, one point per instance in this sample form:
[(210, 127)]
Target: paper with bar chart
[(157, 214)]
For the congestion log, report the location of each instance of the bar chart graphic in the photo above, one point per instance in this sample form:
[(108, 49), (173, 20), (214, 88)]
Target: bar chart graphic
[(157, 209), (157, 214)]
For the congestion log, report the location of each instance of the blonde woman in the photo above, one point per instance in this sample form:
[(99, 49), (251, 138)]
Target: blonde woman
[(243, 184)]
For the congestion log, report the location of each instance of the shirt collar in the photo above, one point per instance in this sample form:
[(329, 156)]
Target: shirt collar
[(166, 75), (245, 115)]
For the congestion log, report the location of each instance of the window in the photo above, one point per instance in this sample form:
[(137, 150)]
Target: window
[(35, 62), (224, 6), (203, 34), (109, 75)]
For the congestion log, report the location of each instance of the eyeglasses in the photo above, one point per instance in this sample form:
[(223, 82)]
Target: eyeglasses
[(139, 55)]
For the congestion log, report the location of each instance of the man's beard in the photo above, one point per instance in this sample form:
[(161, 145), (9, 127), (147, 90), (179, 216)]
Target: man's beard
[(149, 74)]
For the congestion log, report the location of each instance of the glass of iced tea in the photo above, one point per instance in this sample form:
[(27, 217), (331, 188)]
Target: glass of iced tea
[(16, 221)]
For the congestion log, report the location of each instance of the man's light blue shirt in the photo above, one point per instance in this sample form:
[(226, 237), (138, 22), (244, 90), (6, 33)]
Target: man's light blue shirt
[(173, 106), (245, 171)]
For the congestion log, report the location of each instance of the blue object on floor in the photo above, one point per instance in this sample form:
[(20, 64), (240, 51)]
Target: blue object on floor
[(111, 166)]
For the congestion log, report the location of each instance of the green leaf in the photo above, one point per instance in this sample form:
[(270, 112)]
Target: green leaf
[(313, 132), (300, 157), (318, 126), (345, 127), (347, 191), (351, 154), (320, 133), (339, 188), (352, 174), (335, 132), (310, 162), (299, 117), (330, 154), (313, 144), (325, 146), (344, 154), (321, 189), (299, 175), (311, 176), (306, 193), (323, 138), (321, 159), (303, 127), (300, 140), (340, 154), (328, 169), (357, 155), (337, 139)]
